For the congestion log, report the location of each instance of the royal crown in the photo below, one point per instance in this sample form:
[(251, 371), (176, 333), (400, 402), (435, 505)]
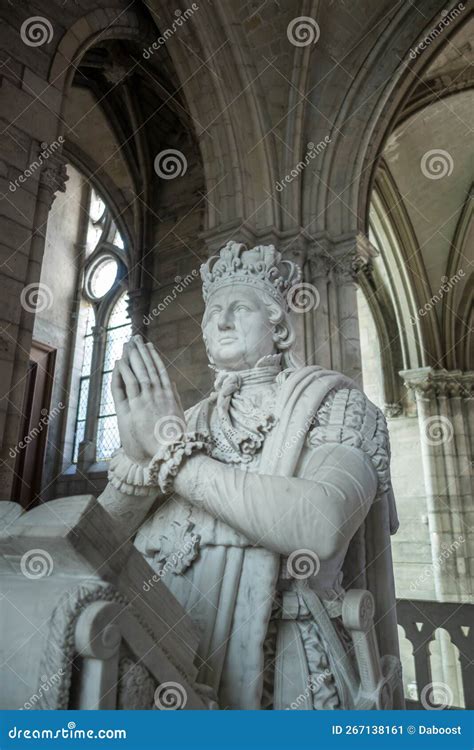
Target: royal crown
[(261, 267)]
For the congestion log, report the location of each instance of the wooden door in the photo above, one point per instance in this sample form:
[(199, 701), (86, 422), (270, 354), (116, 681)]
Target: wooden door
[(32, 441)]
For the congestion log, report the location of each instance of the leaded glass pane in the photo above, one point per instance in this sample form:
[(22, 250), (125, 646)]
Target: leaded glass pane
[(119, 315), (87, 361), (108, 439), (114, 345), (90, 322), (119, 330), (83, 396), (107, 406), (79, 437)]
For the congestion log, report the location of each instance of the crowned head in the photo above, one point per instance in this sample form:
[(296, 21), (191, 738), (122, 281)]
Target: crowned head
[(247, 294)]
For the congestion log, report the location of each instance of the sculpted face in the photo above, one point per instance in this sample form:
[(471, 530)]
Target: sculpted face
[(237, 328)]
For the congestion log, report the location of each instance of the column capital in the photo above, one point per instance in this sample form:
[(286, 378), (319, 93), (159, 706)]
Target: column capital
[(343, 258), (353, 255), (53, 177), (430, 383), (391, 411)]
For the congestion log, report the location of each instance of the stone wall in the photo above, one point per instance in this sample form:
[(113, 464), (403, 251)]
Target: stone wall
[(56, 324)]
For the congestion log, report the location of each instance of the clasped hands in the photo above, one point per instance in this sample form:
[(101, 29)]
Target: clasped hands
[(149, 411)]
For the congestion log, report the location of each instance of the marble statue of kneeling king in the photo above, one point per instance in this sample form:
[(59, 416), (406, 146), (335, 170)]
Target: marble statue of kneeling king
[(267, 507)]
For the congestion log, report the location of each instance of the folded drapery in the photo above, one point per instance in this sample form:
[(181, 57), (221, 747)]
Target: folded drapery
[(247, 520)]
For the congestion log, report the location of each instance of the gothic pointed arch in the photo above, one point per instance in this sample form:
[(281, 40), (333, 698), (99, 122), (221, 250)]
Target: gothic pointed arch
[(458, 306), (337, 197)]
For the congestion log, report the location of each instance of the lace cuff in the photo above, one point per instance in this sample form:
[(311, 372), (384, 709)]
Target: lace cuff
[(165, 463), (129, 477)]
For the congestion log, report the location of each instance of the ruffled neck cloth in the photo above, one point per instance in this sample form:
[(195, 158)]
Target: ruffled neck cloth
[(245, 414)]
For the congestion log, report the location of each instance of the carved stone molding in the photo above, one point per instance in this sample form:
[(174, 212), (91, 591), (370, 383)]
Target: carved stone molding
[(136, 686), (320, 264), (61, 645), (59, 652), (392, 411), (353, 256), (116, 72), (343, 260), (53, 177), (429, 383), (347, 267)]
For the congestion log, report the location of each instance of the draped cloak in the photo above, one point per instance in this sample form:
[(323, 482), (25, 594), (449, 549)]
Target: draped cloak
[(227, 585)]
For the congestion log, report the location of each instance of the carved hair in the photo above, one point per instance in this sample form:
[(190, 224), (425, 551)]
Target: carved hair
[(284, 334)]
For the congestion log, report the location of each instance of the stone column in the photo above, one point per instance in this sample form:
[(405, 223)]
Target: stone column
[(304, 299), (334, 267), (444, 399)]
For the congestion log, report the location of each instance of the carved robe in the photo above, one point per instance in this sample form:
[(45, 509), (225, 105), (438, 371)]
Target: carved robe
[(261, 645)]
